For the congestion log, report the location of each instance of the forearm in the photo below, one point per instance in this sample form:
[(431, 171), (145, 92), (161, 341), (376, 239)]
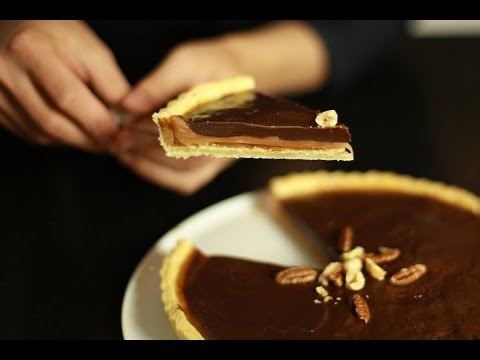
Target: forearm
[(284, 57)]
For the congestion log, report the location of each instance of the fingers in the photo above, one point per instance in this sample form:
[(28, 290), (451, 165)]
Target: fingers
[(185, 182), (37, 113), (153, 91), (97, 66), (128, 140), (171, 77), (186, 65), (15, 120), (140, 138), (150, 149), (140, 141), (66, 90), (106, 78), (143, 124)]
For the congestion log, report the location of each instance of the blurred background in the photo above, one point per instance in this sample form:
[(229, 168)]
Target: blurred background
[(431, 84), (446, 54), (417, 112)]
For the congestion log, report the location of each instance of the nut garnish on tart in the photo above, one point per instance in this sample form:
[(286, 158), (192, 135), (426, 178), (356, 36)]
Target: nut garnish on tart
[(228, 118), (408, 275), (356, 252), (296, 275), (321, 291), (217, 297), (333, 273), (355, 280), (386, 255), (346, 239), (374, 269), (361, 308), (327, 118)]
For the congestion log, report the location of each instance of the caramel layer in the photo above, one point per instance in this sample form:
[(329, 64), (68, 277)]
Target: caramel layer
[(229, 298), (178, 132), (255, 119)]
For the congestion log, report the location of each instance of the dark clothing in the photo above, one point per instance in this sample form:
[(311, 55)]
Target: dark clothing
[(355, 46)]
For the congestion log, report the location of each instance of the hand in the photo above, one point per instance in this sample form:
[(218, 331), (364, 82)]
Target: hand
[(283, 57), (57, 79), (140, 150), (269, 53), (138, 145)]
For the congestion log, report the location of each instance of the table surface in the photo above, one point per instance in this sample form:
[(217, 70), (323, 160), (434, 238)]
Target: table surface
[(75, 225)]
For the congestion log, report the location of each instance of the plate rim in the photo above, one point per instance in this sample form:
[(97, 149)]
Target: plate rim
[(247, 196)]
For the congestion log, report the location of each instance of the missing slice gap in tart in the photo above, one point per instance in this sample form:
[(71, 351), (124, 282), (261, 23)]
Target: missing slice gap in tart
[(228, 118)]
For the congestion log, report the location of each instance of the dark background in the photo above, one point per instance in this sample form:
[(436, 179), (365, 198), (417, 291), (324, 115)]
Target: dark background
[(75, 225)]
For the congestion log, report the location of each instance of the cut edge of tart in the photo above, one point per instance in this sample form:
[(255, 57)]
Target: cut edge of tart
[(171, 273), (212, 91)]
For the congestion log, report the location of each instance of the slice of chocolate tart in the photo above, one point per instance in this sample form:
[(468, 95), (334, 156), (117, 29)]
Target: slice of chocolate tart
[(229, 118)]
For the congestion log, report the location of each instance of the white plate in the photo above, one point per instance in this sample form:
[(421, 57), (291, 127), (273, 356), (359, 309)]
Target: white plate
[(247, 225)]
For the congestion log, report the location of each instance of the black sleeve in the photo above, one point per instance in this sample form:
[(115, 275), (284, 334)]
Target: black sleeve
[(356, 46)]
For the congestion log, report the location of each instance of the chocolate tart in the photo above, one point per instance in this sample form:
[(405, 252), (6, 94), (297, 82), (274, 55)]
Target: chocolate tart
[(229, 118), (215, 297)]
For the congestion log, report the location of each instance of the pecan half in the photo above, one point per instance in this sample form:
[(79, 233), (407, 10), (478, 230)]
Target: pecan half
[(296, 275), (386, 255), (408, 275), (361, 308), (345, 240)]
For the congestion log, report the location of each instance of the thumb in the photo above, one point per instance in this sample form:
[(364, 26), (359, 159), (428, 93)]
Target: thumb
[(154, 90)]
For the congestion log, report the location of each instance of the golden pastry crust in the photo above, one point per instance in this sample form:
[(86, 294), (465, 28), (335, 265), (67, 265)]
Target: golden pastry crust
[(204, 93), (212, 91), (307, 183), (336, 151), (173, 266)]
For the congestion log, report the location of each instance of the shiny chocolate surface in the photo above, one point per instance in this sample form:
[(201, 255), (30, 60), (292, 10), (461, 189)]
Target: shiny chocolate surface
[(255, 114), (230, 298)]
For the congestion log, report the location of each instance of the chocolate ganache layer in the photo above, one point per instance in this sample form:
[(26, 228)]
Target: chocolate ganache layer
[(254, 114), (228, 298)]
